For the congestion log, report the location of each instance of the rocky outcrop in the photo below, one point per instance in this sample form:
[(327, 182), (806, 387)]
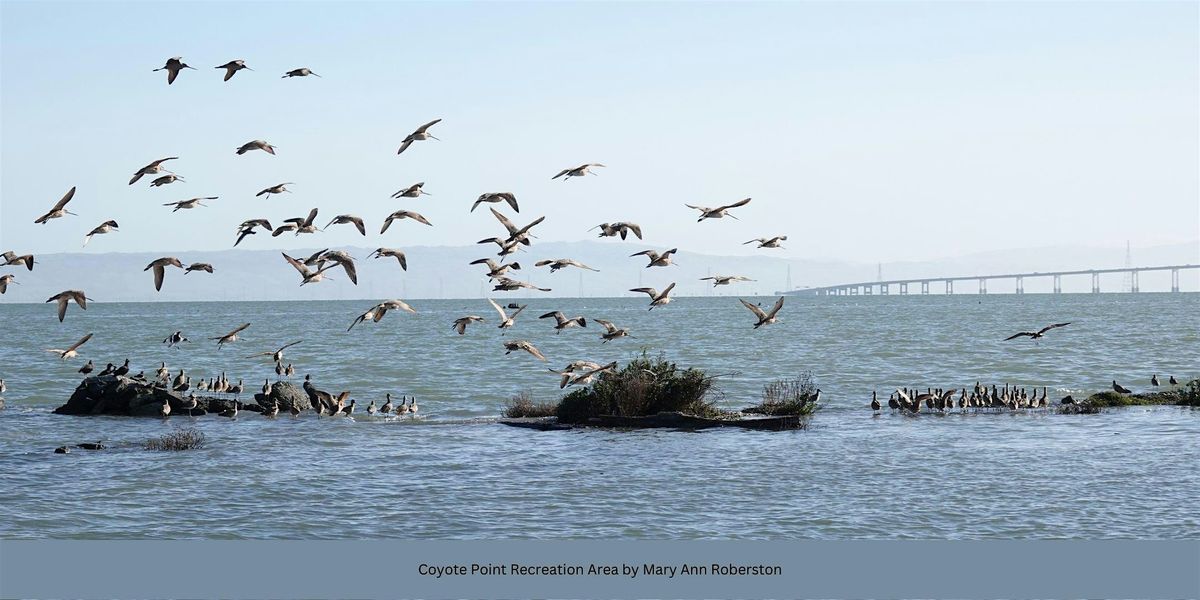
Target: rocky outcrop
[(286, 394), (124, 396)]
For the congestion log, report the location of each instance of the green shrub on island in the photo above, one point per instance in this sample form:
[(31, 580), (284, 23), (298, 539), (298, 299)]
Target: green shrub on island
[(181, 439), (794, 396), (646, 386), (522, 405)]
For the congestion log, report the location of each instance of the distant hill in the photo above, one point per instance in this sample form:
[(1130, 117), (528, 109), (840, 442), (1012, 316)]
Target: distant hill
[(444, 272)]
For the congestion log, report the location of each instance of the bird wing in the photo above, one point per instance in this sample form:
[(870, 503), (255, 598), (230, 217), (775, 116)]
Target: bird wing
[(160, 161), (775, 309), (526, 229), (81, 342), (297, 264), (735, 204), (558, 316), (758, 312), (532, 350), (561, 173), (635, 228), (542, 263), (652, 254), (79, 297), (1049, 327), (238, 330), (703, 209), (503, 315), (417, 217), (62, 306), (229, 71), (608, 325), (573, 262), (653, 293), (159, 272), (460, 325), (312, 214), (289, 345), (1017, 335), (404, 146), (358, 224), (512, 229), (668, 290), (269, 148), (422, 128), (351, 270), (510, 199)]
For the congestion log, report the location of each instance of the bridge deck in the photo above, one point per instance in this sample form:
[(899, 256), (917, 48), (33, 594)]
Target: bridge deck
[(982, 278)]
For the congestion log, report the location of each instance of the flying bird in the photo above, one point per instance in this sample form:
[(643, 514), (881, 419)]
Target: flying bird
[(506, 246), (561, 321), (516, 345), (496, 197), (391, 252), (207, 268), (506, 320), (11, 258), (307, 275), (275, 189), (232, 336), (151, 169), (767, 242), (412, 191), (611, 332), (656, 299), (59, 210), (403, 214), (302, 224), (70, 352), (63, 298), (496, 270), (504, 284), (166, 180), (175, 338), (584, 377), (301, 72), (563, 263), (619, 228), (343, 258), (656, 259), (174, 65), (276, 355), (5, 280), (256, 145), (422, 133), (725, 279), (516, 234), (189, 203), (348, 219), (105, 227), (460, 324), (160, 269), (1036, 334), (718, 212), (232, 67), (375, 313), (579, 171), (764, 317)]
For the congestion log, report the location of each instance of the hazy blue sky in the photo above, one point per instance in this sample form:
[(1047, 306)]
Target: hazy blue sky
[(865, 131)]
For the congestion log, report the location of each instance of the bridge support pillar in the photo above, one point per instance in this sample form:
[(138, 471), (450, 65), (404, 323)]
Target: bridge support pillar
[(883, 289), (982, 285), (1133, 282), (1174, 280), (1095, 282), (904, 289), (1020, 285), (949, 286), (1058, 284), (924, 287), (868, 289), (854, 290)]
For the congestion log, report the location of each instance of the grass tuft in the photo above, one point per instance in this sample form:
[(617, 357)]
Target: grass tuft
[(794, 396), (523, 405), (181, 439)]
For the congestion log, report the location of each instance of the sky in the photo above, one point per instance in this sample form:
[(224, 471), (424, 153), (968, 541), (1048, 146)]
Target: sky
[(864, 131)]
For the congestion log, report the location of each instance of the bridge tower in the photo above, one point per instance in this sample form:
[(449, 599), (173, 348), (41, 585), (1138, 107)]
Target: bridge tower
[(1129, 283)]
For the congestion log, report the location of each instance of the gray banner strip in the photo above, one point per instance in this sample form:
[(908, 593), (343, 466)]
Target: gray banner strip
[(794, 569)]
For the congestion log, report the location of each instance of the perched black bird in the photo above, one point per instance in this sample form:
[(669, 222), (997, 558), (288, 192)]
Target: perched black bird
[(123, 369), (875, 406), (1067, 400), (108, 370), (1154, 380), (88, 368), (1172, 381), (1118, 388)]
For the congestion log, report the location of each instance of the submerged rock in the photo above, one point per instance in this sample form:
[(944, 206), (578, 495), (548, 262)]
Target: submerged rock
[(62, 450)]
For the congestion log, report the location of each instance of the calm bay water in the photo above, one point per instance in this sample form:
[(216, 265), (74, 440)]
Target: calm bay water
[(454, 473)]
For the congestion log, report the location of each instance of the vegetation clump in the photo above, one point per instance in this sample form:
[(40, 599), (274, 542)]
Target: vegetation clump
[(787, 397), (1185, 395), (523, 405), (646, 386), (178, 440)]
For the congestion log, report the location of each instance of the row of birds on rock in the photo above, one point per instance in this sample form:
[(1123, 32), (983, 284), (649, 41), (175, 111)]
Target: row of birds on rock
[(981, 397)]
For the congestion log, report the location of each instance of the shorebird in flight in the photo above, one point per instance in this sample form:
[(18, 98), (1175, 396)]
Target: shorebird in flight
[(207, 268), (496, 197), (59, 210), (256, 145), (63, 298), (563, 263), (391, 252), (422, 133), (247, 228), (70, 352), (584, 377), (105, 227), (656, 299), (516, 234), (767, 242), (497, 270), (304, 224), (561, 321), (339, 257), (11, 258), (306, 275), (160, 269), (412, 191), (301, 72), (189, 203), (460, 324), (504, 284), (276, 355), (232, 67), (151, 169), (348, 219), (275, 189), (619, 228), (166, 179), (375, 313), (232, 336), (579, 171), (174, 65), (725, 279), (656, 259), (5, 280), (403, 214), (1036, 335), (764, 317), (506, 320), (174, 338), (718, 212), (513, 346), (506, 246), (574, 368), (611, 332)]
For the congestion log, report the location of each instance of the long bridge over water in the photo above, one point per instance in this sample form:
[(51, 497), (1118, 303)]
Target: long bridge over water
[(868, 288)]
